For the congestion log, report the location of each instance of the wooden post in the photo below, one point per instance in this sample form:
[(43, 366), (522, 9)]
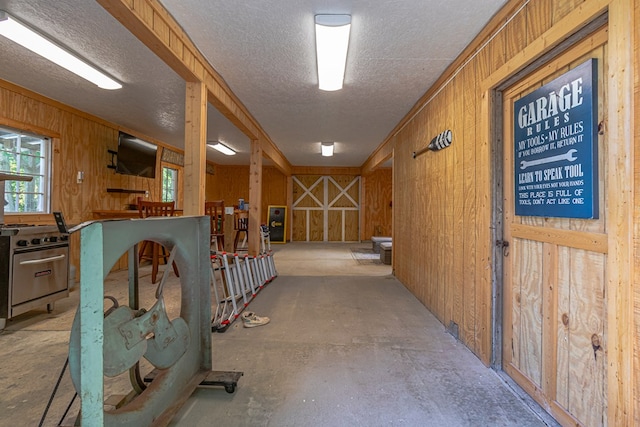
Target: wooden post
[(195, 134), (255, 196), (620, 376)]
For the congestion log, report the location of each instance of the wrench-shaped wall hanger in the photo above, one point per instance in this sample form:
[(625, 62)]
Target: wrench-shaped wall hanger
[(569, 156)]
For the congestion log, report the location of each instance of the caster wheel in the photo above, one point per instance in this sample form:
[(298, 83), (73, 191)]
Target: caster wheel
[(230, 388)]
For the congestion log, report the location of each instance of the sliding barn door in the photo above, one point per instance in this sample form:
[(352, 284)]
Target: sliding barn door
[(326, 208), (555, 307)]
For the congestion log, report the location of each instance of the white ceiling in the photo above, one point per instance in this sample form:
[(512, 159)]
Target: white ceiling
[(265, 52)]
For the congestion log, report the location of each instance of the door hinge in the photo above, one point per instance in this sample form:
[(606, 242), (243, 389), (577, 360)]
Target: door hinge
[(504, 245)]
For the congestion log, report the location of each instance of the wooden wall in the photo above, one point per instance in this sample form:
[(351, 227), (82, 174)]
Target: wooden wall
[(442, 206), (80, 143), (377, 204), (636, 218), (230, 183), (443, 225)]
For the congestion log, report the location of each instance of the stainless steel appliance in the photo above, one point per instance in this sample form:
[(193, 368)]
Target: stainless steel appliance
[(34, 268)]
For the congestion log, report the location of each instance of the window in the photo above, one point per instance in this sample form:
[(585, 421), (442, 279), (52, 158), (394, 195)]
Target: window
[(25, 154), (169, 184)]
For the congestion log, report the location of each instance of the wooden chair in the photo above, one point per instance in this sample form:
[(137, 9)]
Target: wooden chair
[(215, 211), (240, 225), (150, 209)]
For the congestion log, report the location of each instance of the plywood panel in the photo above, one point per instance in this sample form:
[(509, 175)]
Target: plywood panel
[(562, 8), (527, 278), (456, 225), (571, 281), (299, 226), (343, 191), (469, 253), (274, 189), (316, 226), (328, 198), (587, 361), (636, 220), (335, 226), (351, 231), (230, 183), (483, 202), (378, 204), (538, 19)]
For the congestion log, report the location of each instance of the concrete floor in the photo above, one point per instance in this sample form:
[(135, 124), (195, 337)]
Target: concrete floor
[(347, 345)]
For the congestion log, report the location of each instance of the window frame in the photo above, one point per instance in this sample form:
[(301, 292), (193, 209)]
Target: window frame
[(175, 173), (45, 173)]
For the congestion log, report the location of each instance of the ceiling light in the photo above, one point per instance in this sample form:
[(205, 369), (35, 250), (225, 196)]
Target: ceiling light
[(332, 42), (23, 35), (221, 148), (327, 149)]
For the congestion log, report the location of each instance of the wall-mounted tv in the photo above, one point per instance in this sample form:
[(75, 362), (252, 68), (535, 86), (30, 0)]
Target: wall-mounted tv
[(135, 156)]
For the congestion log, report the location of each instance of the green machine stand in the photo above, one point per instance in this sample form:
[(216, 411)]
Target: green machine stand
[(107, 344)]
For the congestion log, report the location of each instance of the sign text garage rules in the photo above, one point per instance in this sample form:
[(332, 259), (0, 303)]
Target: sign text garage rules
[(555, 147)]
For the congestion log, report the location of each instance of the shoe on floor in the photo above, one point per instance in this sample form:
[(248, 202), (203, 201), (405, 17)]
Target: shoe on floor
[(250, 320)]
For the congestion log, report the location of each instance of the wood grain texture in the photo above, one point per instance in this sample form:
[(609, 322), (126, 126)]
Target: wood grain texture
[(570, 277), (195, 148), (378, 204), (636, 219), (332, 204), (620, 228)]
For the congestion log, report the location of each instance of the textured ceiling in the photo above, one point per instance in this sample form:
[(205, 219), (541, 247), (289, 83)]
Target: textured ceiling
[(265, 53)]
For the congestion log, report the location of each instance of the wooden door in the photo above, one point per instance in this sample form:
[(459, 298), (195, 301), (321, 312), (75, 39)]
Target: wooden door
[(554, 324), (326, 208)]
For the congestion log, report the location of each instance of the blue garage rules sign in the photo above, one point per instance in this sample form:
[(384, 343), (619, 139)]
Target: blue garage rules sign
[(555, 147)]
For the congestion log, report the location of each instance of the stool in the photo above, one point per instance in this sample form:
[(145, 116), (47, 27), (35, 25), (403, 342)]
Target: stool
[(376, 240), (385, 252)]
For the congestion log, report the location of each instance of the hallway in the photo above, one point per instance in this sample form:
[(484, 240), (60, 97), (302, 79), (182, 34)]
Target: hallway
[(347, 345)]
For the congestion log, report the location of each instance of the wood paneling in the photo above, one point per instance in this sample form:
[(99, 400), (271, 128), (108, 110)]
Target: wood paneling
[(229, 183), (332, 206), (80, 143), (555, 307), (635, 124), (377, 203), (443, 205), (274, 190)]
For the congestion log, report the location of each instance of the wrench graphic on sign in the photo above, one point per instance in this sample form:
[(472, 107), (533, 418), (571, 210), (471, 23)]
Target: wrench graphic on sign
[(566, 156)]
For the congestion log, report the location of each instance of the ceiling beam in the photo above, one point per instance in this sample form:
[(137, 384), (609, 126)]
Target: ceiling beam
[(150, 22), (325, 170)]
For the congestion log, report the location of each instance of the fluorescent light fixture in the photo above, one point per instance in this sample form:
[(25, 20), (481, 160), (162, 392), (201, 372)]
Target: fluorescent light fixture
[(332, 42), (327, 149), (26, 37), (221, 148)]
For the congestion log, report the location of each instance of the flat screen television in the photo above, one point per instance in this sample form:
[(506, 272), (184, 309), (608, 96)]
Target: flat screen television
[(135, 156)]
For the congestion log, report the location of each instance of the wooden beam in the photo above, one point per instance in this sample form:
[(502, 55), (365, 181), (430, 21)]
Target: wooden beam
[(150, 22), (321, 170), (272, 152), (380, 155), (620, 266), (255, 197), (195, 156), (588, 241)]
